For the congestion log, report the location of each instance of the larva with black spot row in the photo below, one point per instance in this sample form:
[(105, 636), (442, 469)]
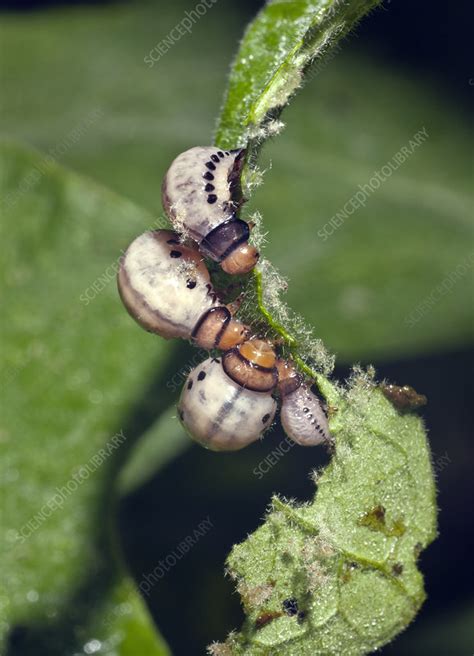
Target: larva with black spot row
[(201, 194), (227, 403), (166, 288), (302, 415)]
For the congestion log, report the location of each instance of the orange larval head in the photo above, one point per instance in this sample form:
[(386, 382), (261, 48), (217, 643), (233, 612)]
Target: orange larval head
[(259, 352), (252, 365), (241, 260)]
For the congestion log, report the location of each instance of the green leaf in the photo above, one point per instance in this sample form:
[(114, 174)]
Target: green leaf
[(163, 441), (358, 293), (392, 279), (305, 577), (277, 48), (346, 560), (73, 363), (354, 114)]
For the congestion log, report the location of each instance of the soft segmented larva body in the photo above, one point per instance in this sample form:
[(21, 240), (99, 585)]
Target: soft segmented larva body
[(301, 414), (221, 413), (226, 403), (201, 195), (166, 288)]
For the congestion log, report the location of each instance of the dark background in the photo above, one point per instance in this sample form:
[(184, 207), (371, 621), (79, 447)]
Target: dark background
[(194, 604)]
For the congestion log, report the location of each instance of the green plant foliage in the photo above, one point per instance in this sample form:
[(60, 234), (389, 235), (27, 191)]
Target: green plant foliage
[(305, 577), (338, 575), (82, 365), (163, 441), (276, 53), (353, 115), (278, 47), (71, 361)]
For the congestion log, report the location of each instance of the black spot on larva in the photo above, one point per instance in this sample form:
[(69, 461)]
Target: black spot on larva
[(191, 284), (215, 360), (211, 166), (201, 375), (175, 254), (190, 384), (209, 187), (265, 418), (220, 153), (305, 410), (301, 616), (180, 414), (227, 152), (208, 176), (211, 199), (290, 606), (215, 158), (173, 241)]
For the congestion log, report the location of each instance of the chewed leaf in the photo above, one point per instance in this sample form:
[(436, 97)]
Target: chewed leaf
[(339, 575)]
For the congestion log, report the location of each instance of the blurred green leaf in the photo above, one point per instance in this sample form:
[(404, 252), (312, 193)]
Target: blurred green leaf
[(372, 276), (73, 364), (355, 113), (393, 278), (163, 441)]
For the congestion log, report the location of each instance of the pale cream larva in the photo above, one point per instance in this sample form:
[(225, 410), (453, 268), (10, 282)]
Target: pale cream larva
[(166, 288), (201, 194), (219, 411), (302, 415)]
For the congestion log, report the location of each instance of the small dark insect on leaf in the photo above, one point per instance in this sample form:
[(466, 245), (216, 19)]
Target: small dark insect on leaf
[(266, 618), (290, 606), (403, 398)]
